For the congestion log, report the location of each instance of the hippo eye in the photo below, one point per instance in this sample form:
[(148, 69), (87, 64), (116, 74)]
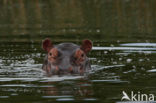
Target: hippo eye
[(82, 55), (50, 54)]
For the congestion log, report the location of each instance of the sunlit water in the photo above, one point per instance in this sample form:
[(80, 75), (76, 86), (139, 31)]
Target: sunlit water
[(121, 67)]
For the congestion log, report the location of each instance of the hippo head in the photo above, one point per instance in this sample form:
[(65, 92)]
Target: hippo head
[(66, 57)]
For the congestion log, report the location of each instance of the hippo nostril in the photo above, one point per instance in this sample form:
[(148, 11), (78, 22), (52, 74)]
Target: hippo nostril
[(82, 55)]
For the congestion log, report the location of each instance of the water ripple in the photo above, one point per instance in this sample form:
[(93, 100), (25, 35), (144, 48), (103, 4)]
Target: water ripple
[(122, 48)]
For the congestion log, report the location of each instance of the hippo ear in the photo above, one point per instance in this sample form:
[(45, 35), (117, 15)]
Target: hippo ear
[(47, 44), (86, 46)]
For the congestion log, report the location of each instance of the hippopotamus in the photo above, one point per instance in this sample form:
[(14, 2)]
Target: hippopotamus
[(66, 58)]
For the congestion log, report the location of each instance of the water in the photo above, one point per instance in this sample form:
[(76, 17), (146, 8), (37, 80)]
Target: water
[(121, 67), (122, 59)]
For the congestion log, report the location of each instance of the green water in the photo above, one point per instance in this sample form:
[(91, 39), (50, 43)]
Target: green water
[(123, 56)]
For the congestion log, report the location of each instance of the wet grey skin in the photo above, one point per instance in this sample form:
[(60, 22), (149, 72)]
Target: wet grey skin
[(65, 60)]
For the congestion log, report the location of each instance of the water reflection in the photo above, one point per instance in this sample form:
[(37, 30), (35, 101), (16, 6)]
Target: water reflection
[(124, 20)]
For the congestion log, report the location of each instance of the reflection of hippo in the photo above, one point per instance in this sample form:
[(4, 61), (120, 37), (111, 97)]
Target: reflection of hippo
[(66, 57), (79, 90)]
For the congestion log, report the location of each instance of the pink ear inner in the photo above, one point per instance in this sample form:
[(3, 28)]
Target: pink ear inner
[(86, 46), (47, 44)]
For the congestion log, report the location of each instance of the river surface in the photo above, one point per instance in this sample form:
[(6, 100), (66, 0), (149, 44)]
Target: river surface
[(116, 67)]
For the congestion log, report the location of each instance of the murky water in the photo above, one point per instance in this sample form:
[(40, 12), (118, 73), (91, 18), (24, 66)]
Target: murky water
[(123, 56), (115, 68)]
